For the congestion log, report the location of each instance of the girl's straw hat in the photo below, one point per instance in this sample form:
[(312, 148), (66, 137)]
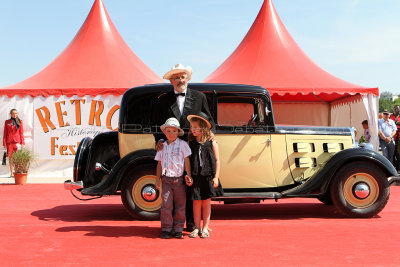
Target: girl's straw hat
[(201, 116), (172, 122)]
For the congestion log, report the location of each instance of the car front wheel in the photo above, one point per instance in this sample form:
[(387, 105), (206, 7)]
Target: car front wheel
[(360, 189), (139, 195)]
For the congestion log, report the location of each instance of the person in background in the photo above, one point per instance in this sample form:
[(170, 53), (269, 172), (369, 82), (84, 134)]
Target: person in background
[(366, 134), (13, 136), (387, 130), (395, 116)]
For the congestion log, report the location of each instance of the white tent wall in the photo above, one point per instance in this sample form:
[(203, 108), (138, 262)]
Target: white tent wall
[(292, 113), (54, 155), (371, 103), (349, 111)]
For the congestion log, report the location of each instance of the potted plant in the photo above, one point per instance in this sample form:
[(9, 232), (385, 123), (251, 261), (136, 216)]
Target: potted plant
[(21, 160), (362, 139)]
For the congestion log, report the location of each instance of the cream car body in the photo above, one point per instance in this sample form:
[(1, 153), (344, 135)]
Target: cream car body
[(259, 160)]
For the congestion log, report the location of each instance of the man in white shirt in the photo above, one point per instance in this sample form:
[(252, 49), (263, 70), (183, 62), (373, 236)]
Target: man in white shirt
[(180, 102), (387, 130)]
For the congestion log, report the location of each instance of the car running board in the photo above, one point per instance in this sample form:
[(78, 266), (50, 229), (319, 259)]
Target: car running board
[(272, 195)]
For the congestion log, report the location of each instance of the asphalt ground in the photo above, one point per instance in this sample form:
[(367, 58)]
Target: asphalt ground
[(43, 225)]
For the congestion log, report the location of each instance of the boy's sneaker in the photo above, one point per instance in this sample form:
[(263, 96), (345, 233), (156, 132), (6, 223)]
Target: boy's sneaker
[(165, 235), (178, 235)]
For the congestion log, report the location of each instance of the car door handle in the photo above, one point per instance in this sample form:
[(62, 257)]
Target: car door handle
[(267, 142)]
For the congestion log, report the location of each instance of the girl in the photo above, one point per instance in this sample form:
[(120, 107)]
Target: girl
[(13, 136), (205, 166)]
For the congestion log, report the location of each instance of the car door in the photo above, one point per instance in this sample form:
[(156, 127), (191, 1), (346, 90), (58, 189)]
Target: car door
[(244, 144)]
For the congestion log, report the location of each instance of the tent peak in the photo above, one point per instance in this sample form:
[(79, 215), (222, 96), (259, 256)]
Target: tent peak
[(97, 57), (268, 56)]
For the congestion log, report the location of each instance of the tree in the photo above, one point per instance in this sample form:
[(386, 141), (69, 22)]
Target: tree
[(386, 95), (385, 103)]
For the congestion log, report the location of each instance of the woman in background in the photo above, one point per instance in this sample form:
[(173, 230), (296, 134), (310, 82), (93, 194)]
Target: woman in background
[(13, 136)]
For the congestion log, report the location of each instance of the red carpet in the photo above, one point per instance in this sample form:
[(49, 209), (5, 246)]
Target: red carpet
[(41, 224)]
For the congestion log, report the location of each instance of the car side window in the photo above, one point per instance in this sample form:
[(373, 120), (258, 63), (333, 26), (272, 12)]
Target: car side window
[(240, 111), (137, 114)]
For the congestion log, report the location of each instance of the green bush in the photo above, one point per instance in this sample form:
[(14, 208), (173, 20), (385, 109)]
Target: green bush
[(22, 159)]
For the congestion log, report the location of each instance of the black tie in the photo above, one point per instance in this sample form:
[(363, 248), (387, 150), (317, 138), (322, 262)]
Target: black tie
[(180, 94)]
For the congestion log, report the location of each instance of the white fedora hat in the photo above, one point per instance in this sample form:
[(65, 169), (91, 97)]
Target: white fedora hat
[(178, 68), (172, 122)]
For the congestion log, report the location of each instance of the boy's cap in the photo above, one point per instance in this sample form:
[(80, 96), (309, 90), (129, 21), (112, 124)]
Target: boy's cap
[(201, 116), (385, 111), (172, 122)]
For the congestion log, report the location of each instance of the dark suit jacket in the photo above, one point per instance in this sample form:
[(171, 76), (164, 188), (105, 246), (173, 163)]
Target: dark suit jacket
[(11, 134), (167, 107)]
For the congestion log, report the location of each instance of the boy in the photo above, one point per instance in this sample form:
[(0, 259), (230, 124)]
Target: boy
[(173, 160), (366, 131)]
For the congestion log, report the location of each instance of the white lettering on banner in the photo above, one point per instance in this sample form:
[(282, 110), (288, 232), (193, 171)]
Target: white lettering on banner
[(61, 123)]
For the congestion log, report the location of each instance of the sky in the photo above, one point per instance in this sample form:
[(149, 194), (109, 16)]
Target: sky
[(355, 40)]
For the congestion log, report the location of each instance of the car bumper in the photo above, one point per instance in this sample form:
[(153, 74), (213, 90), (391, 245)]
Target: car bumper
[(394, 180), (70, 185)]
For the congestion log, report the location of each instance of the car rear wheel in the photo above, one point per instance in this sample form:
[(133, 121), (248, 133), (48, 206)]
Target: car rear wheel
[(139, 195), (360, 189)]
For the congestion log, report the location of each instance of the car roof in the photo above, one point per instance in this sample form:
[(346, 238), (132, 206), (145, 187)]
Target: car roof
[(204, 87)]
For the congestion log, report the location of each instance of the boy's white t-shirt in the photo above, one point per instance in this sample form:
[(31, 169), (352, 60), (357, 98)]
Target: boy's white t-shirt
[(172, 157)]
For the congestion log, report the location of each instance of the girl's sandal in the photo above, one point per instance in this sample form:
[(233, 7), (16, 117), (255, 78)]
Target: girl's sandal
[(194, 233), (205, 234)]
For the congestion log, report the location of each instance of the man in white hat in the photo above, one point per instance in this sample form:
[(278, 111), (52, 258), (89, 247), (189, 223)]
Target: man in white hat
[(179, 103)]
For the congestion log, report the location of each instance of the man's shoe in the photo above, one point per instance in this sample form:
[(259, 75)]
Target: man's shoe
[(165, 235), (178, 235), (190, 228)]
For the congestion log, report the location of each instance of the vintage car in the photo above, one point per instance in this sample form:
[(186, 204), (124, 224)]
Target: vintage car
[(259, 160)]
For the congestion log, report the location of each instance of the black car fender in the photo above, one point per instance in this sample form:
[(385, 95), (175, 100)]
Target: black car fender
[(111, 184), (81, 158), (319, 183)]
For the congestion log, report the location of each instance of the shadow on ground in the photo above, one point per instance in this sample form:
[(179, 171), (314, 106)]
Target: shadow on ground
[(114, 231), (274, 211), (116, 212), (84, 213)]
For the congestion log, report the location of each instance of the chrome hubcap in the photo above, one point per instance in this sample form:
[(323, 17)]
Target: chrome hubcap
[(361, 190), (149, 193)]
